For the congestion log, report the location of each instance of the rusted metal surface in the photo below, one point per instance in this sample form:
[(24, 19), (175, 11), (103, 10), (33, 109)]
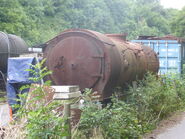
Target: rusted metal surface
[(151, 59), (136, 60), (167, 37), (10, 46), (118, 37), (94, 60)]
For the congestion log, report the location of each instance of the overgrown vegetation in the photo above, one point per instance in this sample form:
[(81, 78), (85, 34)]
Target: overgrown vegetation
[(37, 116), (141, 109), (152, 100)]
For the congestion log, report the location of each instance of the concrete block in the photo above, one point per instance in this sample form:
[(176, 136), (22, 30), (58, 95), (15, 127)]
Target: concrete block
[(66, 89), (63, 96)]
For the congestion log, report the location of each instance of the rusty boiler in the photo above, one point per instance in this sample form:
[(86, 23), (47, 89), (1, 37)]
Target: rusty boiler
[(99, 61)]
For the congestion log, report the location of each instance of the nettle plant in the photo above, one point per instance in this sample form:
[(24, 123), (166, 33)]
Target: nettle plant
[(37, 116)]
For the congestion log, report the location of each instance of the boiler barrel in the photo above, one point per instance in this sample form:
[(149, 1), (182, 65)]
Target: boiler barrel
[(10, 46), (135, 59), (93, 60)]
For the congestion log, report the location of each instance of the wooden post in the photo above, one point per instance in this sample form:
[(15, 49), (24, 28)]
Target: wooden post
[(134, 84), (67, 115), (66, 93)]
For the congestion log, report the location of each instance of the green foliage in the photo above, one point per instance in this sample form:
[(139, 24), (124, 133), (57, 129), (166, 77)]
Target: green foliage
[(116, 121), (155, 96), (12, 17), (43, 121), (178, 24), (145, 105), (39, 20), (39, 72), (43, 124)]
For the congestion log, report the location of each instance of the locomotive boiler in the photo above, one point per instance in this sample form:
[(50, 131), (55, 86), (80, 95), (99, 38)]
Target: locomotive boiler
[(10, 46), (99, 61)]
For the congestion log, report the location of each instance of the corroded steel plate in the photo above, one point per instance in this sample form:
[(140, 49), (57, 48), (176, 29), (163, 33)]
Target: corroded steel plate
[(75, 60)]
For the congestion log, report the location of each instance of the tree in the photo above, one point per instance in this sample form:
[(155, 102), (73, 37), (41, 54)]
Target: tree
[(37, 21), (178, 24), (149, 17), (12, 17)]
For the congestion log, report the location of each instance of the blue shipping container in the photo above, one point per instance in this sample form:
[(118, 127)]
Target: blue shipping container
[(170, 53)]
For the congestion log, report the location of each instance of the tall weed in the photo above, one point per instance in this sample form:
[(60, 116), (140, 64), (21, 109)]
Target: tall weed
[(151, 100)]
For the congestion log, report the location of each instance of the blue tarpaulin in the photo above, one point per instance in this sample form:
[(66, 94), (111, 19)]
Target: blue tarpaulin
[(17, 76), (17, 69)]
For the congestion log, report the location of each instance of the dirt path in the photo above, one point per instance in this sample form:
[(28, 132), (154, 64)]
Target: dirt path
[(176, 132), (171, 128)]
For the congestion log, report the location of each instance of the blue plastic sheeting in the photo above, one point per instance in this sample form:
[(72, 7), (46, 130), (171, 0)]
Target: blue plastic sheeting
[(18, 76), (13, 92), (169, 53), (17, 69)]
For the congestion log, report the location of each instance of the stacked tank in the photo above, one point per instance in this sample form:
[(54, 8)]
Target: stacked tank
[(98, 61), (10, 46)]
